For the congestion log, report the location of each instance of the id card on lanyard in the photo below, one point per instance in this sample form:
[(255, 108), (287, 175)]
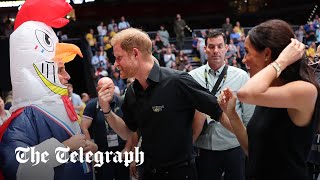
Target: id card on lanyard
[(112, 137)]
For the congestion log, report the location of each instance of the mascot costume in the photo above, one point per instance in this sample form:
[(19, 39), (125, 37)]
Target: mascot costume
[(42, 114)]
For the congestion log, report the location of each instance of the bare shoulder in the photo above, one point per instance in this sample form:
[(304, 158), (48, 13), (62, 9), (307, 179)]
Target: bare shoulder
[(303, 87)]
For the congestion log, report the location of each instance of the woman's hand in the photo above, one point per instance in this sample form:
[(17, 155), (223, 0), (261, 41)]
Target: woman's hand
[(293, 52)]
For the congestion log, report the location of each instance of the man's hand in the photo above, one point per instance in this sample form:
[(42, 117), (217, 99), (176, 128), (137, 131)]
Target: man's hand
[(75, 142), (133, 170), (123, 151), (90, 146), (106, 96)]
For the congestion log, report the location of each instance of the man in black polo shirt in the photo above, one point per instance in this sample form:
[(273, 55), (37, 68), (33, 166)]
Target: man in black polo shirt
[(161, 103)]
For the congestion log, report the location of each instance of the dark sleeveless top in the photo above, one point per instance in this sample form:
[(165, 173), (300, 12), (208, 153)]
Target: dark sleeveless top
[(277, 148)]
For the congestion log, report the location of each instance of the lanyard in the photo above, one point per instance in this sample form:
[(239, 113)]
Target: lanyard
[(223, 76)]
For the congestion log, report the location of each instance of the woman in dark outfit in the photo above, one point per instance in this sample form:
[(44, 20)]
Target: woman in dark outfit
[(282, 85)]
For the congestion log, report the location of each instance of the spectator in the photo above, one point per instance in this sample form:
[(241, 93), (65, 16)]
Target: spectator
[(239, 29), (183, 63), (311, 52), (164, 36), (118, 81), (95, 127), (200, 46), (123, 24), (111, 25), (115, 30), (300, 33), (195, 51), (156, 52), (178, 26), (100, 28), (106, 41), (232, 53), (85, 98), (92, 41), (169, 58), (235, 36), (219, 149), (75, 99), (174, 50), (242, 52), (227, 26), (310, 29), (99, 61), (102, 31), (159, 43)]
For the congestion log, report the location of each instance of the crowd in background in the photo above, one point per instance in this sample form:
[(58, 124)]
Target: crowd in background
[(171, 54)]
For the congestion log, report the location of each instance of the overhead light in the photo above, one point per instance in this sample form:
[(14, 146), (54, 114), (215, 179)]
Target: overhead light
[(77, 1), (11, 3), (89, 0)]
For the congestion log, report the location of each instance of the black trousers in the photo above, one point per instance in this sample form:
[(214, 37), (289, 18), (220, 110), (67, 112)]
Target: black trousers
[(112, 171), (185, 172), (213, 163)]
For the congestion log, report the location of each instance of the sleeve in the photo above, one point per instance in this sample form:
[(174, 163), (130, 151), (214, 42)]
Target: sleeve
[(22, 132), (128, 115), (90, 109), (200, 97)]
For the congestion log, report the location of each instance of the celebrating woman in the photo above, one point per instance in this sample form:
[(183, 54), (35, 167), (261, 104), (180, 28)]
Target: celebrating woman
[(279, 135)]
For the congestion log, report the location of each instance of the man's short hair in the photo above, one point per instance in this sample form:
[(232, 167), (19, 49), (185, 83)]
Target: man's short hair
[(215, 33), (133, 38), (84, 95)]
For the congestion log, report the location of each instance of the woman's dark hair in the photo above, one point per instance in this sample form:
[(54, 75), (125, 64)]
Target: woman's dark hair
[(276, 35)]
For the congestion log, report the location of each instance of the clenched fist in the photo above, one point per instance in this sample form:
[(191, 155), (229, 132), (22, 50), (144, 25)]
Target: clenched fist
[(105, 93)]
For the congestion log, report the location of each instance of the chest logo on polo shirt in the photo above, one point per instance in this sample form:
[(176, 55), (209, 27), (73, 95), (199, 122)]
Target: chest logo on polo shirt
[(157, 108)]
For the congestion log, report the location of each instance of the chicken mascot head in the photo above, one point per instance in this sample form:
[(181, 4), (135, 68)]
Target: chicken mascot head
[(35, 52)]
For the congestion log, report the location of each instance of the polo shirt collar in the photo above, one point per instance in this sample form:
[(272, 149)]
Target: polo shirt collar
[(154, 75), (215, 73)]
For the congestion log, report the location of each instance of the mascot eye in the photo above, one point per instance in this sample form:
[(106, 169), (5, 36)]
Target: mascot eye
[(44, 40)]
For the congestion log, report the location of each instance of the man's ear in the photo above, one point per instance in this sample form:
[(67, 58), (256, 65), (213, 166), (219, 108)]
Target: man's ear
[(227, 47), (135, 52)]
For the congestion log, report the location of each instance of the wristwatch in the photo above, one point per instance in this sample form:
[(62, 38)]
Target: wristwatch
[(277, 67)]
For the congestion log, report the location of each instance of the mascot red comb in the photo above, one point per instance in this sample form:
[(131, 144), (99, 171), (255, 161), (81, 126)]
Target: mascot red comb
[(43, 118)]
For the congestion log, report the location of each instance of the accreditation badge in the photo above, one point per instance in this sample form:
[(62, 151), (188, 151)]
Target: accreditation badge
[(112, 138)]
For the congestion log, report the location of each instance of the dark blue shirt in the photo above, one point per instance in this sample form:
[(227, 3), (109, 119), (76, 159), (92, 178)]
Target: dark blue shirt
[(98, 130)]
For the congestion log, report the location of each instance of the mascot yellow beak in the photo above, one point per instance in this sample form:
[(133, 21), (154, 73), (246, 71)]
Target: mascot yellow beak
[(66, 52)]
